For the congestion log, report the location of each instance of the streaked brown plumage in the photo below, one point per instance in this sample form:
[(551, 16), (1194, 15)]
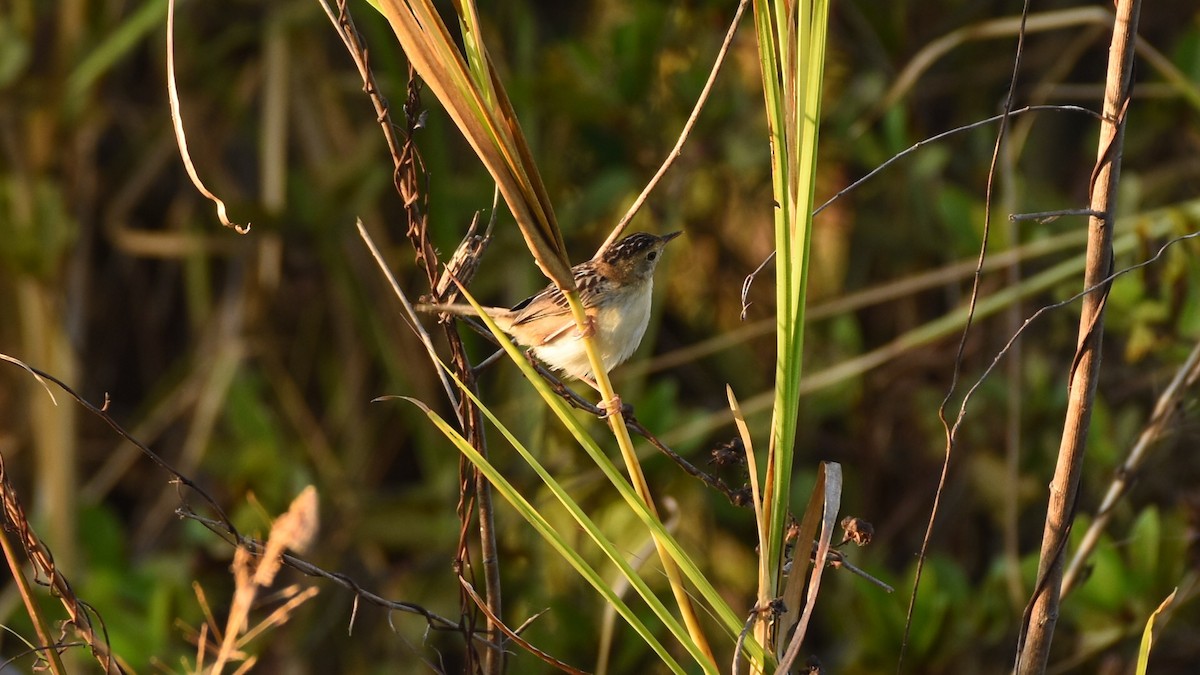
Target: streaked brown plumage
[(615, 291)]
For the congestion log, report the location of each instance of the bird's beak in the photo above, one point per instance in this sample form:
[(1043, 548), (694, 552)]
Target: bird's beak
[(669, 237)]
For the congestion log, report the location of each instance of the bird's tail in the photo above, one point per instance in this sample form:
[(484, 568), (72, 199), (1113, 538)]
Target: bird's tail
[(502, 317), (458, 309)]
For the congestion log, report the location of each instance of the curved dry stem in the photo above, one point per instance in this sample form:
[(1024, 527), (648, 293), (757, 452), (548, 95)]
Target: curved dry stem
[(687, 129), (181, 135)]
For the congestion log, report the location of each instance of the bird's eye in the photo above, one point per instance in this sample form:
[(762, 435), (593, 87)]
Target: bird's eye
[(651, 256)]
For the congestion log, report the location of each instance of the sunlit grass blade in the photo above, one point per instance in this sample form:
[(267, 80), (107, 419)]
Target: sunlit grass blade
[(791, 43), (765, 591), (475, 100), (562, 547), (1143, 661), (728, 619)]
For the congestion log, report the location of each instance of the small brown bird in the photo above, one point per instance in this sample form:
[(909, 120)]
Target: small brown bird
[(615, 291)]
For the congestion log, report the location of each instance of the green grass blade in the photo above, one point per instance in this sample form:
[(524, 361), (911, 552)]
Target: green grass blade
[(1143, 662), (547, 531), (791, 40), (730, 620)]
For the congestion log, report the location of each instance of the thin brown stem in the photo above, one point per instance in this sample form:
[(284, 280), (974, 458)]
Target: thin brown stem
[(1042, 614), (410, 181), (683, 135), (40, 624), (951, 429)]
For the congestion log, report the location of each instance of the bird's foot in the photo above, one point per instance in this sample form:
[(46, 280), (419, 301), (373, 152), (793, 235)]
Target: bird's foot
[(613, 404)]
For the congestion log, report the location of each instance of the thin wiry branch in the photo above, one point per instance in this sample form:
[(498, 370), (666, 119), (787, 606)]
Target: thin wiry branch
[(683, 135), (749, 281), (1100, 285), (80, 614), (257, 547), (222, 526), (951, 431)]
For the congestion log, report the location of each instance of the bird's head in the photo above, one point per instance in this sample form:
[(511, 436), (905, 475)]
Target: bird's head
[(635, 257)]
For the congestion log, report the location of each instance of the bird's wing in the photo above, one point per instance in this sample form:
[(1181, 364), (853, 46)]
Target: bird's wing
[(547, 303), (550, 308), (550, 301)]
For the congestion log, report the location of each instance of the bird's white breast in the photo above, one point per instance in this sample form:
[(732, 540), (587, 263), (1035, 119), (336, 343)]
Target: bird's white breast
[(620, 326), (622, 329)]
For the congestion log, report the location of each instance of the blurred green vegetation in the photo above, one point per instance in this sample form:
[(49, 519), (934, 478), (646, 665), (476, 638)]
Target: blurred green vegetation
[(250, 362)]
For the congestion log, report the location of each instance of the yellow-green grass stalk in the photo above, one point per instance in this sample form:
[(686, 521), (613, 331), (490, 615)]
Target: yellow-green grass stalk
[(791, 41), (758, 663), (670, 550), (539, 522), (1148, 637)]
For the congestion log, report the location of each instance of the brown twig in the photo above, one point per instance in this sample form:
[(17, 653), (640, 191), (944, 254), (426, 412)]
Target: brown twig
[(683, 135), (837, 560), (1041, 615), (515, 635), (409, 180)]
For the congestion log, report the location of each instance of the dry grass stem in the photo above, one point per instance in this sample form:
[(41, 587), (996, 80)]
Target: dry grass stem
[(181, 134), (825, 502), (295, 529), (1041, 616), (683, 135)]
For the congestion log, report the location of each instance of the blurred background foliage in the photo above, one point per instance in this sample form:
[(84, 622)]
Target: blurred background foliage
[(249, 362)]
